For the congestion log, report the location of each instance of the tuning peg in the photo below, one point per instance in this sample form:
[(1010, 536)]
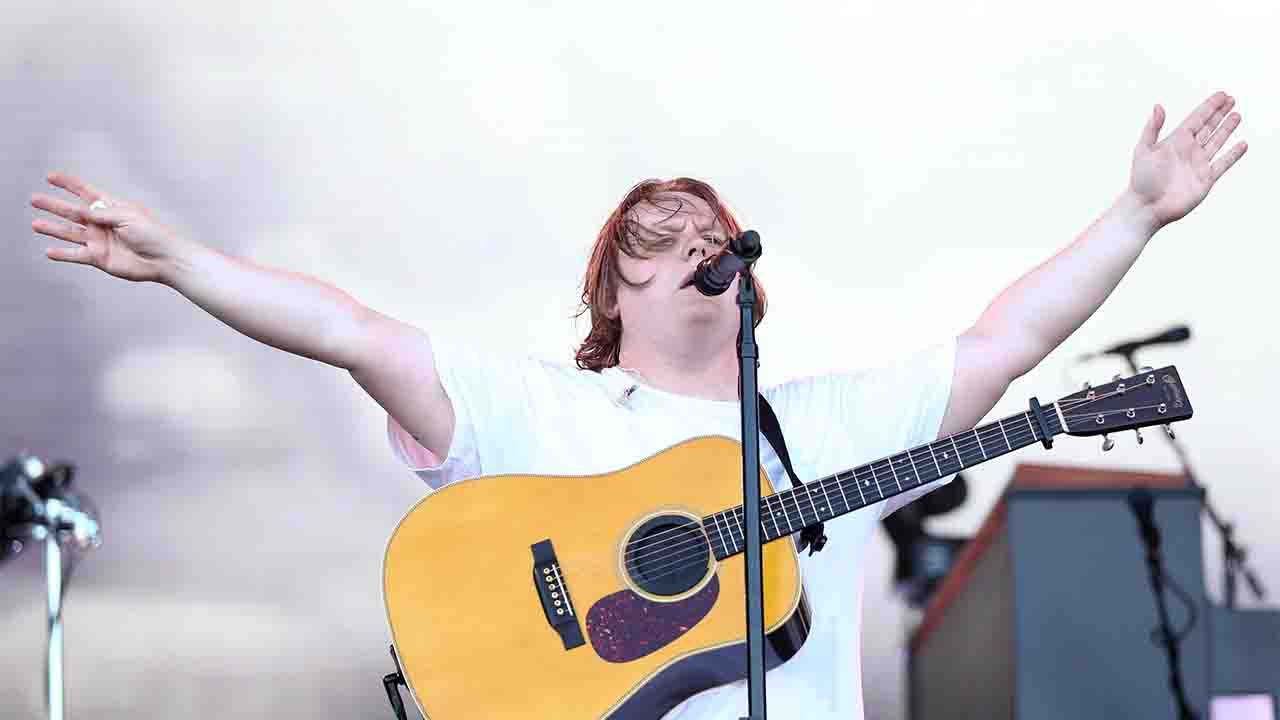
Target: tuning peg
[(1169, 430), (1138, 432), (1107, 443), (1145, 369)]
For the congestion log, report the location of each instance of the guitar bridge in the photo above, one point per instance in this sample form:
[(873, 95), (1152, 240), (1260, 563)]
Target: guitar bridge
[(549, 583)]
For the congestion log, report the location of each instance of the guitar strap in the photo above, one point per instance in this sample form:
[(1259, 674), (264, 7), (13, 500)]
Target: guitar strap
[(811, 537)]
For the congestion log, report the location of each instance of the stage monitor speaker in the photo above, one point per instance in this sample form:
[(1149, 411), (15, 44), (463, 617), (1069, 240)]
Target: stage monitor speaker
[(1049, 614)]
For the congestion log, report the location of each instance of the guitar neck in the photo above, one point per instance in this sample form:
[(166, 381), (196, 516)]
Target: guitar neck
[(792, 510)]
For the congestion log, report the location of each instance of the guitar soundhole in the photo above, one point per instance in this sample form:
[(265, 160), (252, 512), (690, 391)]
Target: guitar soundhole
[(668, 555)]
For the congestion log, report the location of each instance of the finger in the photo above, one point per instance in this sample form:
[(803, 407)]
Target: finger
[(75, 185), (1224, 163), (62, 231), (1151, 131), (110, 217), (80, 256), (63, 209), (1201, 115), (1206, 132), (1220, 136)]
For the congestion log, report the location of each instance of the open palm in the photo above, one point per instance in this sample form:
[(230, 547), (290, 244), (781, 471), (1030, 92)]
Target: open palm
[(1174, 175)]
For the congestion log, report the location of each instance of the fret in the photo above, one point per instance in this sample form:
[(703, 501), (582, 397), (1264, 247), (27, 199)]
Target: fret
[(914, 469), (795, 501), (979, 439), (840, 487), (830, 508), (1027, 415), (773, 515), (935, 460), (859, 485), (1002, 432), (809, 494), (722, 541), (873, 477), (742, 530), (959, 457), (895, 476)]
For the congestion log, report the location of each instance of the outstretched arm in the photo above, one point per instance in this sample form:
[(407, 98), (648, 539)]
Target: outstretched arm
[(393, 361), (1034, 315)]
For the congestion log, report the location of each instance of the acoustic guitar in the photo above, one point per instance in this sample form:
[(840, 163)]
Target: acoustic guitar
[(620, 595)]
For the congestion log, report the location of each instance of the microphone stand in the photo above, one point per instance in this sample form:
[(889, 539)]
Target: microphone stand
[(748, 354), (1141, 501), (1233, 556), (54, 521)]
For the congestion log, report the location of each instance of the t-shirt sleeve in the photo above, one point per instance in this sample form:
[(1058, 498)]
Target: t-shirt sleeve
[(923, 385), (487, 391), (855, 417)]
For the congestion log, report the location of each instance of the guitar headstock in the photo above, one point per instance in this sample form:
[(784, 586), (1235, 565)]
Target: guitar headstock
[(1152, 397)]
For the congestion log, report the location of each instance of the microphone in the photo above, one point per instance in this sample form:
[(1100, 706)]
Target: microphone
[(1175, 334), (715, 274)]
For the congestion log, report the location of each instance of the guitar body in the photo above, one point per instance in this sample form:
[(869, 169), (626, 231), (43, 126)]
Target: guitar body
[(471, 585)]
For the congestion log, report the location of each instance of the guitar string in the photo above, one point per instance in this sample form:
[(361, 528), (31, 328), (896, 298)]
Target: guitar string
[(808, 489), (969, 443), (737, 521), (677, 555), (979, 439), (697, 533), (996, 432), (680, 558)]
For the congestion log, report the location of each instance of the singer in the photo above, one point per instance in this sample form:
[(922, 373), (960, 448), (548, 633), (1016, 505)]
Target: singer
[(658, 365)]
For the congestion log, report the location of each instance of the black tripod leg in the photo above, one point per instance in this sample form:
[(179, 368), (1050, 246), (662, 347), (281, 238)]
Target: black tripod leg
[(391, 684)]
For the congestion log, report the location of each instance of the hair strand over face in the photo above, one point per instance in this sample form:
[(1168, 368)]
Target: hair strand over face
[(603, 343)]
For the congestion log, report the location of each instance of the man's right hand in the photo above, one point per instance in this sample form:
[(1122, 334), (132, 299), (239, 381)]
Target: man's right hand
[(123, 239)]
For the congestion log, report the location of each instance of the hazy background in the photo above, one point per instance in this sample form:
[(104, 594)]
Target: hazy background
[(450, 166)]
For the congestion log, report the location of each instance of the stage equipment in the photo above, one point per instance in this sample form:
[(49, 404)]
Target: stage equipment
[(1233, 555), (1141, 502), (548, 611), (37, 503), (1048, 613)]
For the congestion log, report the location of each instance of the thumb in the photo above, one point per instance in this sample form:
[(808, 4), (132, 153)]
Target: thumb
[(1151, 132)]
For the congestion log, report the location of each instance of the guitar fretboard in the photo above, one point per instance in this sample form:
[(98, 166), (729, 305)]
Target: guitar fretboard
[(794, 509)]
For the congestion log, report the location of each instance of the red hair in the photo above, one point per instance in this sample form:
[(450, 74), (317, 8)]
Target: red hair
[(603, 343)]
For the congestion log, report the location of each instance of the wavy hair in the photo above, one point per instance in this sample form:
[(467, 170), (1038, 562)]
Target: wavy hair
[(603, 343)]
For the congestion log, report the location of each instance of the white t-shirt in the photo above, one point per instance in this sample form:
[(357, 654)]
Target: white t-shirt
[(522, 415)]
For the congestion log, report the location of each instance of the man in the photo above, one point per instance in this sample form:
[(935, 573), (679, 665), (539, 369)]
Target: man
[(659, 364)]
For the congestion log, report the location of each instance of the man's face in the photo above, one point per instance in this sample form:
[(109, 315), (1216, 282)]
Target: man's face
[(674, 233)]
